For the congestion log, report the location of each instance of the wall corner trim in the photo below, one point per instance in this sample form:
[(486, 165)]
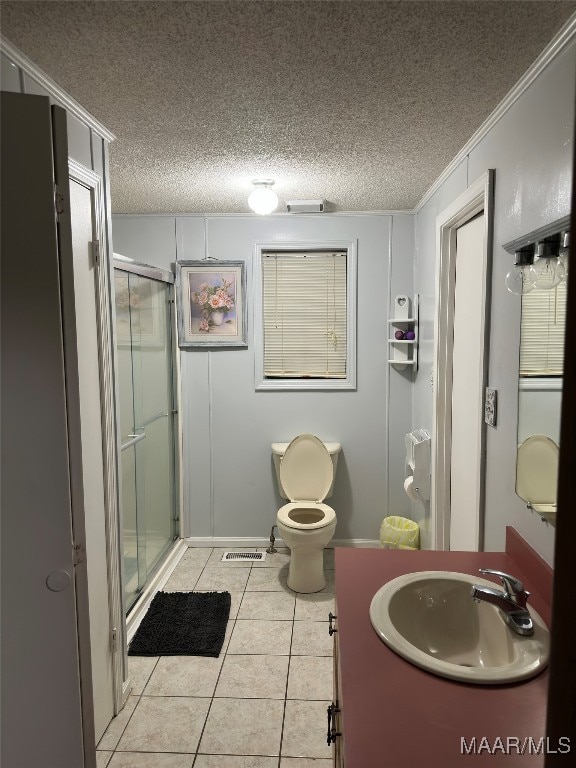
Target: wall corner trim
[(72, 106), (554, 48)]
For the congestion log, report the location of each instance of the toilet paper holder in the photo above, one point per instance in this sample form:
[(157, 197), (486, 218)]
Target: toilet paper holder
[(418, 462)]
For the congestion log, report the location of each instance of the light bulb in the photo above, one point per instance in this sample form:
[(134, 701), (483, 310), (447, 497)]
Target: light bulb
[(263, 199), (562, 266), (547, 276), (521, 279)]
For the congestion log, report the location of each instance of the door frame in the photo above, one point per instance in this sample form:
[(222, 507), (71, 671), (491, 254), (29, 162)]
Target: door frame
[(479, 197), (93, 182)]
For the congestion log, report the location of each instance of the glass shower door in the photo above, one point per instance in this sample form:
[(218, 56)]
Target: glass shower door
[(144, 338)]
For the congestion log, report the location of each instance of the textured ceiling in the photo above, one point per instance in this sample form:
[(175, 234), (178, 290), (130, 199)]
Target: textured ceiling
[(361, 103)]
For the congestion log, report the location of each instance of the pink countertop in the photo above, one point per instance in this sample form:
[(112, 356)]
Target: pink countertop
[(399, 716)]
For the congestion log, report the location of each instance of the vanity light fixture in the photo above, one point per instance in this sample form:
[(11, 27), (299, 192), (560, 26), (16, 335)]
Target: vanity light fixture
[(522, 277), (263, 199), (546, 263), (540, 258)]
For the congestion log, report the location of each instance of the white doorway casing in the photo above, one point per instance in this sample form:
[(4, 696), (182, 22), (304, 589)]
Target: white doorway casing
[(478, 198), (87, 306)]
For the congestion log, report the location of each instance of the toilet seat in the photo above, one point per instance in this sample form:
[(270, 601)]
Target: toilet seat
[(537, 470), (328, 515), (306, 473)]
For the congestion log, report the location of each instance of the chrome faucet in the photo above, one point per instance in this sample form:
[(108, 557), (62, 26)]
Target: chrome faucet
[(511, 602)]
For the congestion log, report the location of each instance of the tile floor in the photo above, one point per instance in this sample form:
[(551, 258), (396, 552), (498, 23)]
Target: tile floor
[(261, 704)]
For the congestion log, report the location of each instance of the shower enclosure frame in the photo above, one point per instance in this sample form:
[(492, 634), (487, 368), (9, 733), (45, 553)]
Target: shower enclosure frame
[(164, 276)]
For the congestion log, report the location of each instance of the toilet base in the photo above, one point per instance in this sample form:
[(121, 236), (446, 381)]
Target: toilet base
[(306, 573)]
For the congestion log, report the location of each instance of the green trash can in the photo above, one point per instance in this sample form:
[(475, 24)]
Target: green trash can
[(399, 533)]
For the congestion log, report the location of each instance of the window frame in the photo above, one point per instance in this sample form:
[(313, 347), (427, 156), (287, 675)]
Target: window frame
[(262, 383)]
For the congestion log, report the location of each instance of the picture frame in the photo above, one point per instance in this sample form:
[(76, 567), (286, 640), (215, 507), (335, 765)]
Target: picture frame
[(212, 308)]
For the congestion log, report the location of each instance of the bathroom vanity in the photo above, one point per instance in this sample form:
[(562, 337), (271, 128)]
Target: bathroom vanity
[(388, 713)]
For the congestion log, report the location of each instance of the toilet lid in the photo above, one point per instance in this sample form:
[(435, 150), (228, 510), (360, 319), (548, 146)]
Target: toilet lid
[(537, 470), (306, 469)]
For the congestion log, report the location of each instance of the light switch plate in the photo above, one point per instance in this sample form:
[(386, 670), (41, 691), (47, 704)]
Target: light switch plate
[(490, 402)]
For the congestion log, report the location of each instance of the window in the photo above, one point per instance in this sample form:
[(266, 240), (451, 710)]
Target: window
[(542, 332), (306, 319)]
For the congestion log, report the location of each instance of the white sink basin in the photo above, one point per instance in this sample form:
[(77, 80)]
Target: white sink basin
[(430, 619)]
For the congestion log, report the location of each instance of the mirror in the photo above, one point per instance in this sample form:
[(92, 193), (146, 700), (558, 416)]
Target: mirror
[(540, 374)]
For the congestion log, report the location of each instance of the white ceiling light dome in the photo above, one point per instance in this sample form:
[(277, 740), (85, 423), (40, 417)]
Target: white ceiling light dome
[(263, 199)]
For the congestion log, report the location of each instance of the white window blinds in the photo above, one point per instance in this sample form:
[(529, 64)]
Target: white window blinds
[(542, 332), (304, 313)]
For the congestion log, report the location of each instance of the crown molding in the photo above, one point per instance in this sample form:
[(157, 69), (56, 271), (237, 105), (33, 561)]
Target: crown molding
[(72, 106), (285, 215), (554, 48)]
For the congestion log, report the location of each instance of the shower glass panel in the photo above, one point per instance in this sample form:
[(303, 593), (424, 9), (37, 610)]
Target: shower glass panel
[(146, 402)]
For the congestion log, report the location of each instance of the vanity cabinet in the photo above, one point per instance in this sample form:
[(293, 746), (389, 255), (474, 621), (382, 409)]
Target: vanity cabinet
[(388, 713), (335, 733)]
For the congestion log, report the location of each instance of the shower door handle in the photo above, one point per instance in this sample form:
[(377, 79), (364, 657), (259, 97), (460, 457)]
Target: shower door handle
[(135, 439)]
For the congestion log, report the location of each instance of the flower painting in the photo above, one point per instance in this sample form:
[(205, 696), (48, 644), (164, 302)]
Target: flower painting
[(216, 302), (212, 308)]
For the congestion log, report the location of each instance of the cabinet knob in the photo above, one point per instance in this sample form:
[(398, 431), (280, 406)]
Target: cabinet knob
[(331, 629), (332, 732)]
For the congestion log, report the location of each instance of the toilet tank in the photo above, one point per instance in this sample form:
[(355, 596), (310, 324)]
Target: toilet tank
[(278, 450)]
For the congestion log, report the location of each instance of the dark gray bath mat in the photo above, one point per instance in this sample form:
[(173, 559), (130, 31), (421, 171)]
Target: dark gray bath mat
[(183, 624)]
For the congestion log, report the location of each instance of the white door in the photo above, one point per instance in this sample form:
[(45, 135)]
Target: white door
[(466, 476), (82, 215), (44, 701)]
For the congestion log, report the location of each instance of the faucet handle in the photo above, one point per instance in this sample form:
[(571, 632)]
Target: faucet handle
[(512, 586)]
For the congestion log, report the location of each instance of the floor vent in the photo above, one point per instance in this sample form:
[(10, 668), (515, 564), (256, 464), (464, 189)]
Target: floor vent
[(231, 557)]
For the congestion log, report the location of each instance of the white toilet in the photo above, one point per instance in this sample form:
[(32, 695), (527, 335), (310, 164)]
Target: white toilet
[(306, 476), (537, 473)]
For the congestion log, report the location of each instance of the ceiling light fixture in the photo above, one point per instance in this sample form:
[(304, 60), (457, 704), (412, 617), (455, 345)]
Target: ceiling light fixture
[(263, 199)]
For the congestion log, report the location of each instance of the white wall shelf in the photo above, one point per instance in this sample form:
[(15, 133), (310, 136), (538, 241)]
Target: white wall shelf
[(403, 353)]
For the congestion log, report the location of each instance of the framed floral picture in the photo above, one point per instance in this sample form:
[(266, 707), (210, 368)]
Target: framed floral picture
[(212, 303)]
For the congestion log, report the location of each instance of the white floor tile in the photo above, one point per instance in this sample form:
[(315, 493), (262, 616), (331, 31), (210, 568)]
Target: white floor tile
[(311, 638), (274, 606), (253, 677), (165, 724), (305, 730), (310, 678), (261, 637), (243, 727), (117, 725)]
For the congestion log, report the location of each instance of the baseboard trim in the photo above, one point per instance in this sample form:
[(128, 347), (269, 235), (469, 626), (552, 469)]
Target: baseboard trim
[(366, 543), (155, 585), (225, 543)]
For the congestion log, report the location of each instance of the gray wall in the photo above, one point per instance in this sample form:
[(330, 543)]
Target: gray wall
[(228, 426), (531, 150)]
